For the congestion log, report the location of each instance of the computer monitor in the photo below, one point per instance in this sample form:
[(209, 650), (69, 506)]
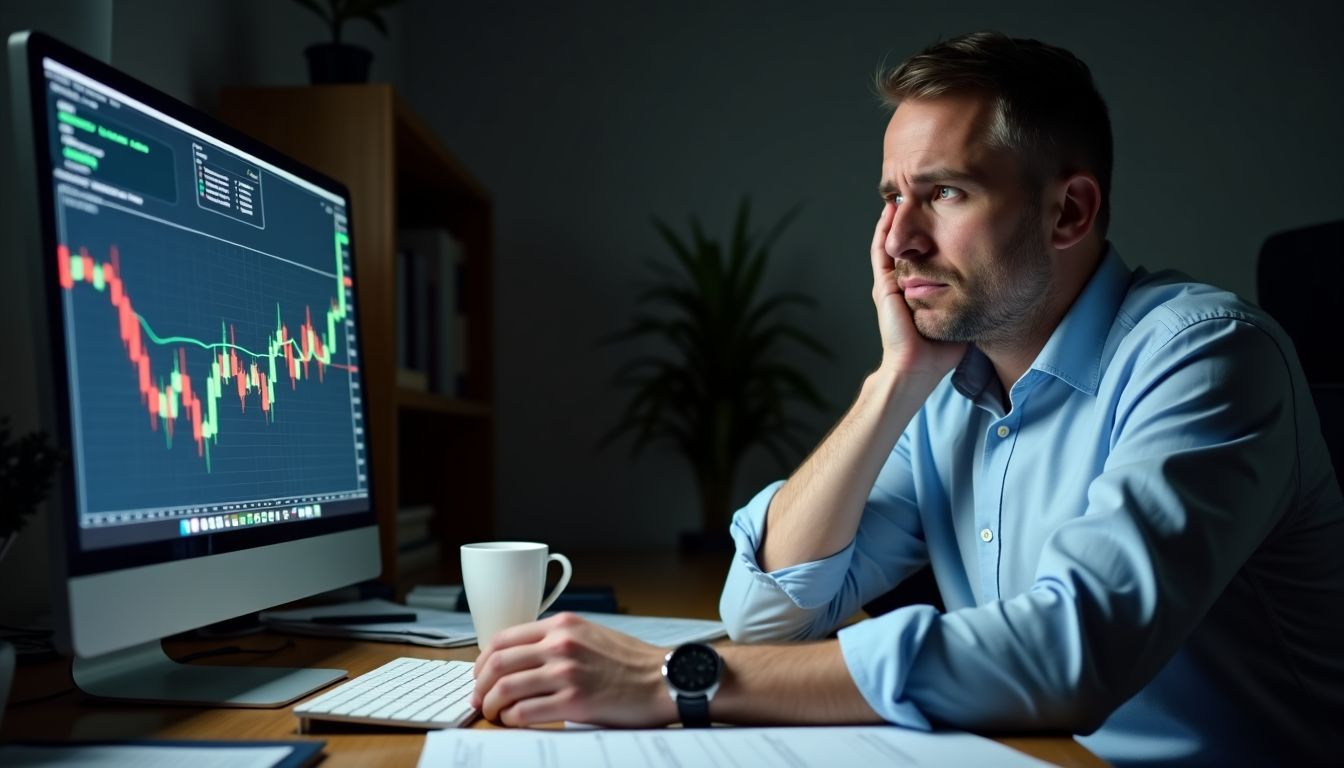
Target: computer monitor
[(200, 365)]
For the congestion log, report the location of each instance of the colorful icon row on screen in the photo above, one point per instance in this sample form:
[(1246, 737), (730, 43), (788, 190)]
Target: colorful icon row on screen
[(213, 523)]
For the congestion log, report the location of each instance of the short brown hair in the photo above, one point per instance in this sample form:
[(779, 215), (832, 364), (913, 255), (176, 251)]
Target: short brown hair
[(1047, 106)]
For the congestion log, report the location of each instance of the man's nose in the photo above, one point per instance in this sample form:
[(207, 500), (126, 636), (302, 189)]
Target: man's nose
[(908, 237)]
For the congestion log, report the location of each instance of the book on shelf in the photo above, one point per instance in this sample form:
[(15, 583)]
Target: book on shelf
[(413, 310), (431, 310), (414, 525), (408, 378), (421, 557)]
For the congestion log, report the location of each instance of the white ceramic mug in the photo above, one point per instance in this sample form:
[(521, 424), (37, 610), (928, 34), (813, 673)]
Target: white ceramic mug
[(504, 580)]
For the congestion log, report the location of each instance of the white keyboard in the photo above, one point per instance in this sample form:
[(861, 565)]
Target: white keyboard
[(413, 693)]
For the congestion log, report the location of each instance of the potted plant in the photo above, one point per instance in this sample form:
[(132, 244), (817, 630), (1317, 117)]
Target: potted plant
[(338, 62), (27, 465), (721, 385)]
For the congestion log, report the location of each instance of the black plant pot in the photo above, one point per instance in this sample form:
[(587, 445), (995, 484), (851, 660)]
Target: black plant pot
[(337, 63)]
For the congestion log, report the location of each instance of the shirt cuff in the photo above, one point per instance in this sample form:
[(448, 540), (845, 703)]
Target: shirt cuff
[(809, 585), (879, 654)]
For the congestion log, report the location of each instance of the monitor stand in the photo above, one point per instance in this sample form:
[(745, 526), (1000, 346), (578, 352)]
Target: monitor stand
[(145, 673)]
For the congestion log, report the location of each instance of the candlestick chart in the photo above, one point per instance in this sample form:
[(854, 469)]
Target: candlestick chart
[(203, 368)]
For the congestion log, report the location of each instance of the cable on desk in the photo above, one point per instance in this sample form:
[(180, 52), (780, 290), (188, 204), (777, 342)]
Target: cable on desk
[(10, 629), (29, 642), (231, 649), (222, 651), (43, 697)]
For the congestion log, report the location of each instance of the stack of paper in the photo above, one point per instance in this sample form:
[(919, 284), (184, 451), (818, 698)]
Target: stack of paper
[(443, 597), (842, 747), (446, 629), (438, 629)]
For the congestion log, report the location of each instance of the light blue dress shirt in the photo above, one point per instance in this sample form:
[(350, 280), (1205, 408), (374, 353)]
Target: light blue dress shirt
[(1148, 547)]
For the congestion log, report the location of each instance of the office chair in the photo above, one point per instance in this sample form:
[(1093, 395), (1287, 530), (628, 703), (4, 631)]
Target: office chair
[(6, 674), (1300, 279)]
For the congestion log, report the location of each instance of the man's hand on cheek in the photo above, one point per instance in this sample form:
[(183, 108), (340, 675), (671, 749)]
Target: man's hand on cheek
[(904, 348), (566, 668)]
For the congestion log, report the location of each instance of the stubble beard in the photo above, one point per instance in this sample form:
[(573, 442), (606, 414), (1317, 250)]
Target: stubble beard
[(999, 305)]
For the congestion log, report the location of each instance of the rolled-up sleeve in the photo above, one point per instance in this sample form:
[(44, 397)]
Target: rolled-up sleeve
[(780, 605), (809, 600)]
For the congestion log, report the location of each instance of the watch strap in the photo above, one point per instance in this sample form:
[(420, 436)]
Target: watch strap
[(694, 710)]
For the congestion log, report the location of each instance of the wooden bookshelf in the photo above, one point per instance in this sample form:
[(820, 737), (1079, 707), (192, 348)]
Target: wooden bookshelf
[(425, 448), (414, 400)]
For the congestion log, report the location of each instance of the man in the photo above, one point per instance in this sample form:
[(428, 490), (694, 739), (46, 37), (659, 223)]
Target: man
[(1118, 478)]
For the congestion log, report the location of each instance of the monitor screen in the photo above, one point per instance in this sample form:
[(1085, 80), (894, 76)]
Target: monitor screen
[(207, 326), (204, 369)]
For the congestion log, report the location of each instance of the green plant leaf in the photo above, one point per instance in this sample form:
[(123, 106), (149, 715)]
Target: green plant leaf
[(777, 230), (768, 307), (678, 296), (805, 339), (27, 467), (663, 270), (316, 8), (741, 238), (375, 19), (795, 383), (359, 8), (337, 12), (679, 248)]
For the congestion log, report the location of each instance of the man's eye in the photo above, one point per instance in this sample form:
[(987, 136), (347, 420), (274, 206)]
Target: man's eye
[(946, 193), (896, 199)]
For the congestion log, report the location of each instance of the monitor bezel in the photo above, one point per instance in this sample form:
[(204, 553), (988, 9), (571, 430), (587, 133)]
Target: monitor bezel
[(27, 51)]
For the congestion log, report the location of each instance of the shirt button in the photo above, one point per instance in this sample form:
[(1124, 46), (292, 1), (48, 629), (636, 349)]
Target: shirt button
[(986, 535), (1002, 432)]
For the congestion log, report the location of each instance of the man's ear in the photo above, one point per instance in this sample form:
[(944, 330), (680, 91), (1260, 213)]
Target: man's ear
[(1077, 200)]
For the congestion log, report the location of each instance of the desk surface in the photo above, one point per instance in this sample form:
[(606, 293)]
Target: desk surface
[(657, 585)]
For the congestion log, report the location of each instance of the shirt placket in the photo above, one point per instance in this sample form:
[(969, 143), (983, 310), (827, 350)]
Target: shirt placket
[(999, 444)]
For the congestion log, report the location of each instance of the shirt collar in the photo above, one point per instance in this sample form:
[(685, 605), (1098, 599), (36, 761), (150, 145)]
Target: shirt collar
[(1074, 351)]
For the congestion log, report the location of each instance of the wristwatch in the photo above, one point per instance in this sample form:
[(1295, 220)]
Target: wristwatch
[(692, 672)]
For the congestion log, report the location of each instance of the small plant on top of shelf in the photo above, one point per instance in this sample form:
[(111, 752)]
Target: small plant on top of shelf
[(337, 61)]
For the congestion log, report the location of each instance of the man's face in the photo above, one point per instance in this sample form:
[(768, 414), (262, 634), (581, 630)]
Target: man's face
[(968, 242)]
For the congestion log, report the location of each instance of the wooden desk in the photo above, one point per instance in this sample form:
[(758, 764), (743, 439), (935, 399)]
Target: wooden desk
[(657, 585)]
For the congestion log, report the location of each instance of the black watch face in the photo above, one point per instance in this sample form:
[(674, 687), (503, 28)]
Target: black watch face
[(693, 668)]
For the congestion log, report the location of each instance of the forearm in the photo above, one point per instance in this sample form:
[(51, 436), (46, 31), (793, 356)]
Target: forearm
[(817, 511), (788, 684)]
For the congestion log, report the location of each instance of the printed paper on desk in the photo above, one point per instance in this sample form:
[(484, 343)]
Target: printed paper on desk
[(660, 630), (845, 747), (437, 629)]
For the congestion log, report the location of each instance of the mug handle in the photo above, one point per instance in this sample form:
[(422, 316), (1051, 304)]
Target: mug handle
[(567, 570)]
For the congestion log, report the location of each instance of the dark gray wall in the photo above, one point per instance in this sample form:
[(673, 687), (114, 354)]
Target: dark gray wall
[(585, 120), (86, 24)]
